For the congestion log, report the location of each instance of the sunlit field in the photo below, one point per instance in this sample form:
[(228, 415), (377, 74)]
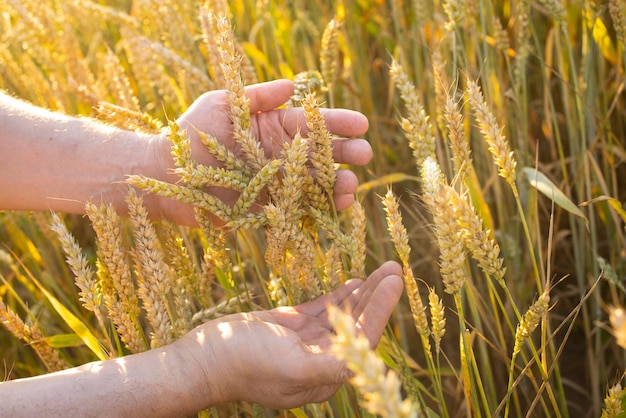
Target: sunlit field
[(497, 182)]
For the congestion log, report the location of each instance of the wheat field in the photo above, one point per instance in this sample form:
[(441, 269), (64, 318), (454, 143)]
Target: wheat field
[(497, 182)]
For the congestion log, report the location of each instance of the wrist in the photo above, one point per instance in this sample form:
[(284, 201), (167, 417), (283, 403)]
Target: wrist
[(158, 163), (207, 383)]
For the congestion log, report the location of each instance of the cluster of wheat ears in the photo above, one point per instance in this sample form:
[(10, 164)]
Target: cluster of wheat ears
[(151, 282)]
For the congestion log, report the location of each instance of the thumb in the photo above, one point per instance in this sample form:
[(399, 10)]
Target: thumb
[(268, 96)]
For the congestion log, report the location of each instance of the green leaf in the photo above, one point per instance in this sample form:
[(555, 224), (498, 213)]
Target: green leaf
[(542, 183), (614, 203), (73, 322), (64, 340), (601, 36), (77, 326), (298, 413)]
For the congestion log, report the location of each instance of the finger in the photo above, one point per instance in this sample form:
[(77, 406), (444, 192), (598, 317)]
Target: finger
[(352, 151), (339, 122), (361, 298), (346, 183), (343, 201), (317, 306), (268, 96), (358, 300), (381, 304), (344, 122)]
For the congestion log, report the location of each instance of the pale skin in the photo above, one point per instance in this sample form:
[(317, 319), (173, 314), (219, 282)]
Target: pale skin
[(278, 358)]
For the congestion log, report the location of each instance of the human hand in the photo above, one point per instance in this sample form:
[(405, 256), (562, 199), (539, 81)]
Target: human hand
[(281, 358), (271, 127)]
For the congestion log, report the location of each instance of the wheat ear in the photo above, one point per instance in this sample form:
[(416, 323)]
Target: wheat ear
[(380, 390)]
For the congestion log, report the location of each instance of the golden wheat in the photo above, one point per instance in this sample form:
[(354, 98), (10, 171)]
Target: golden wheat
[(230, 61), (359, 235), (521, 13), (306, 82), (185, 278), (440, 81), (128, 119), (120, 85), (459, 142), (500, 35), (530, 320), (400, 239), (492, 132), (556, 10), (330, 51), (89, 293), (613, 402), (321, 156), (189, 195), (617, 10), (154, 276), (114, 274), (483, 248), (13, 322), (439, 201), (437, 318), (380, 390), (32, 336), (416, 125)]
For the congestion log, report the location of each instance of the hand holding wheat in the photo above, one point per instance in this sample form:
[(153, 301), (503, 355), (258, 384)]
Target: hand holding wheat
[(76, 146), (271, 126), (281, 358)]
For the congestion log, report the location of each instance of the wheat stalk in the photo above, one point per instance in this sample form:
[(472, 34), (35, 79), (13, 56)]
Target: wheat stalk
[(114, 273), (617, 10), (185, 279), (439, 201), (230, 62), (459, 142), (380, 390), (492, 132), (613, 402), (31, 335), (416, 125), (437, 318), (400, 239), (89, 293), (306, 82), (321, 144), (154, 276), (330, 50), (359, 236)]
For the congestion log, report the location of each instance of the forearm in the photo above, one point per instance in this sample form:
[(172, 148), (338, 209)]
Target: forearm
[(157, 383), (49, 161)]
